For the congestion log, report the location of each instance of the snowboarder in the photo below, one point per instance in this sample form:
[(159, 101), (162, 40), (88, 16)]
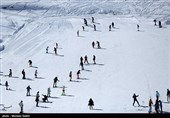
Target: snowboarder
[(82, 65), (23, 74), (94, 27), (150, 105), (78, 33), (135, 99), (112, 24), (63, 91), (78, 73), (154, 21), (160, 26), (28, 90), (110, 27), (45, 98), (10, 73), (55, 82), (157, 106), (157, 95), (37, 98), (47, 49), (36, 72), (93, 44), (7, 85), (55, 50), (30, 63), (48, 92), (86, 59), (160, 104), (168, 95), (92, 19), (137, 27), (85, 22), (21, 106), (98, 44), (83, 28), (94, 59), (91, 104), (70, 75)]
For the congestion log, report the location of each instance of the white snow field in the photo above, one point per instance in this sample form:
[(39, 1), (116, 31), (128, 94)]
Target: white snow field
[(129, 61)]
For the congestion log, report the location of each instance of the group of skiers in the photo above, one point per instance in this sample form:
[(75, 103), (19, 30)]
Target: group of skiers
[(55, 49), (97, 43)]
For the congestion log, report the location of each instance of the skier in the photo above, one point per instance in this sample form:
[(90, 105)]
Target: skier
[(93, 44), (86, 59), (47, 49), (21, 106), (160, 26), (83, 28), (78, 33), (45, 98), (92, 19), (37, 98), (78, 73), (94, 59), (168, 95), (109, 27), (82, 65), (23, 73), (70, 75), (85, 22), (63, 91), (94, 27), (55, 50), (137, 27), (157, 106), (10, 73), (55, 82), (30, 63), (7, 85), (48, 92), (28, 90), (91, 104), (160, 104), (112, 24), (98, 44), (157, 95), (36, 72), (135, 99), (154, 21), (150, 105)]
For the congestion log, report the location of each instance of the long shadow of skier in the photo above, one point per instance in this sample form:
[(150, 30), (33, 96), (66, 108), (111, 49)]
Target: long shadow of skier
[(33, 66), (43, 107), (88, 70), (68, 95), (98, 109), (40, 78), (74, 81), (84, 78)]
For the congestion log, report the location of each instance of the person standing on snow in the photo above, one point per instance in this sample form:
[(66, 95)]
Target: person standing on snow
[(91, 104), (23, 74), (137, 27), (63, 91), (168, 95), (86, 59), (6, 84), (98, 44), (55, 50), (135, 99), (85, 22), (110, 27), (93, 44), (94, 59), (28, 90), (150, 105), (157, 95), (37, 98), (82, 65), (112, 24), (70, 75), (30, 63), (49, 92), (94, 27), (154, 21), (21, 106), (47, 49), (92, 19), (10, 73), (35, 74), (78, 33), (55, 82), (78, 74), (83, 28)]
